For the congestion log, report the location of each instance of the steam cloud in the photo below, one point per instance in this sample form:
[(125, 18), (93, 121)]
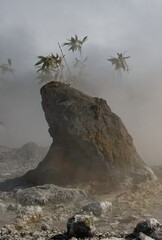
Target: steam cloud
[(113, 26)]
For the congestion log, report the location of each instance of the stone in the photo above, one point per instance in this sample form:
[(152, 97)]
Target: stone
[(81, 226), (147, 227), (12, 207), (157, 234), (98, 208), (90, 142), (49, 193), (45, 227), (142, 236), (90, 145)]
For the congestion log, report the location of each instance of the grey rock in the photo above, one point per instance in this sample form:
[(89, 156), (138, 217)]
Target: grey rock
[(147, 227), (12, 207), (49, 193), (98, 208), (81, 226), (142, 236), (45, 227), (36, 233), (157, 234)]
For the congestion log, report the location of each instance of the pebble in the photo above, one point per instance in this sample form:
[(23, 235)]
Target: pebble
[(45, 227)]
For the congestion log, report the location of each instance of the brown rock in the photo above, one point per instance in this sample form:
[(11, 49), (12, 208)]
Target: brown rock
[(90, 142)]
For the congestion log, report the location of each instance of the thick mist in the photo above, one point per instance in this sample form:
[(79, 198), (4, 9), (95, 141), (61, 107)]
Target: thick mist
[(21, 116), (111, 27)]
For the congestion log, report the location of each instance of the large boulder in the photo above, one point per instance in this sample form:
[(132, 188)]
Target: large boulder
[(90, 142), (90, 146)]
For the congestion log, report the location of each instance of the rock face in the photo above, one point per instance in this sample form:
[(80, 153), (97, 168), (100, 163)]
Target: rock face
[(91, 146), (90, 142)]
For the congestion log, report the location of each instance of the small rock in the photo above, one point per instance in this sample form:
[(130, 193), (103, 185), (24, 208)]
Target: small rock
[(98, 208), (11, 207), (36, 234), (80, 226), (147, 227), (45, 227), (142, 236)]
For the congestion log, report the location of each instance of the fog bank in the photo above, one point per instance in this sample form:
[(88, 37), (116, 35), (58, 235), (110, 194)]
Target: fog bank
[(27, 31)]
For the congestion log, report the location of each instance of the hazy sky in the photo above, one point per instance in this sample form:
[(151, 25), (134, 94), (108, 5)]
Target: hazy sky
[(31, 28)]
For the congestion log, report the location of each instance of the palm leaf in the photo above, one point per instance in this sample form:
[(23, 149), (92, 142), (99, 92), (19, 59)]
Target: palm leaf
[(9, 61), (120, 62), (84, 39), (74, 43)]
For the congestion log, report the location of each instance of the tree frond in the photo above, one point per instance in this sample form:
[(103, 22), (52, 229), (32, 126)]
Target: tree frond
[(74, 43), (9, 61), (84, 39), (120, 62)]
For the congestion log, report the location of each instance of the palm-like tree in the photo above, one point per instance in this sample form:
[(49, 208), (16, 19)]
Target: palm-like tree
[(75, 44), (50, 68), (7, 68), (120, 62)]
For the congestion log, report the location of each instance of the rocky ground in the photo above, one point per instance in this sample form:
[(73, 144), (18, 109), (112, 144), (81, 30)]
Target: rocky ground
[(108, 193), (42, 212)]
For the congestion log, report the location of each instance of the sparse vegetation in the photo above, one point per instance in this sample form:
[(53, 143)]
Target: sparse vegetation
[(53, 67), (120, 62), (7, 68), (56, 68), (50, 68), (75, 44)]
